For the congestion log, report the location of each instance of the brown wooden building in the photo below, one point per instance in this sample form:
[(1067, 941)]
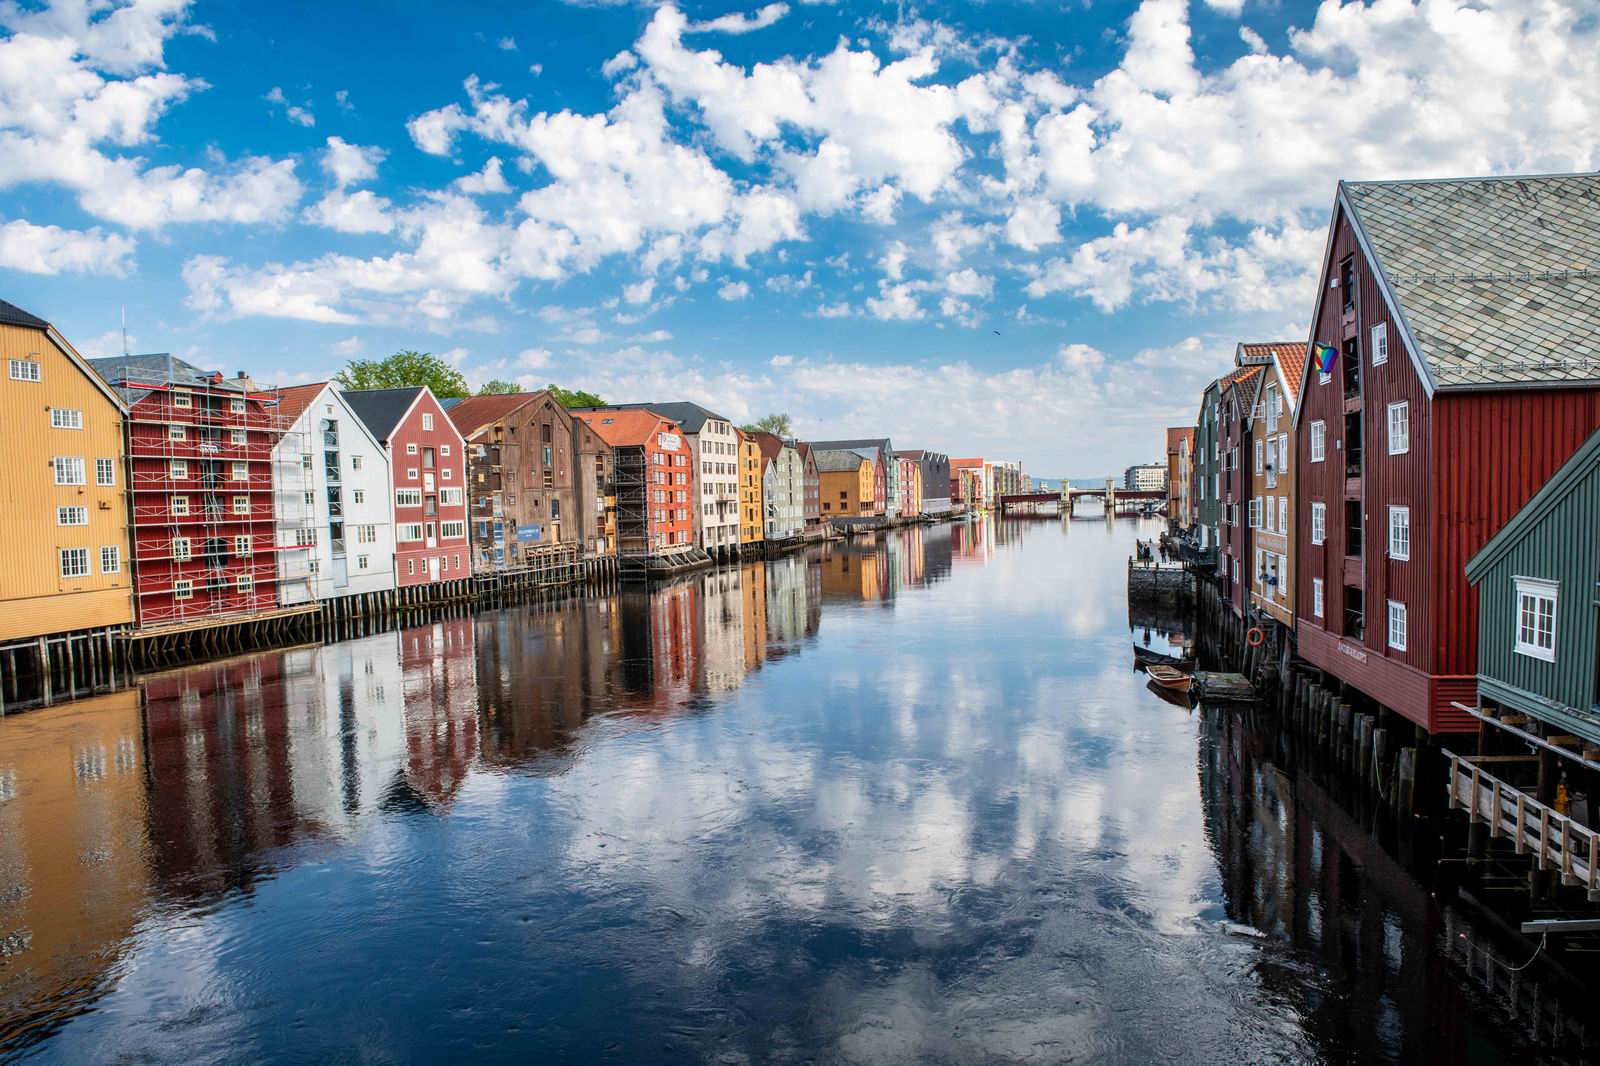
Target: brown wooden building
[(1465, 315), (1238, 392), (1271, 462), (536, 479)]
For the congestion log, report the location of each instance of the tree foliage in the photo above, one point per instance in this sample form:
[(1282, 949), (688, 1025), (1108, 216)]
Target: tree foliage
[(571, 398), (779, 425), (497, 387), (407, 369)]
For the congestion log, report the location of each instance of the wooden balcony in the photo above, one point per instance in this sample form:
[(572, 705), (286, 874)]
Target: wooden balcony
[(1553, 840)]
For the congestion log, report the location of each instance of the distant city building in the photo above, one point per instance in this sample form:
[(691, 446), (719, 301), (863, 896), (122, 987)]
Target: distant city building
[(1145, 477)]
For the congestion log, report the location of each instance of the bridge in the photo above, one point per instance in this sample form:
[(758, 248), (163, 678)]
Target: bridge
[(1113, 499)]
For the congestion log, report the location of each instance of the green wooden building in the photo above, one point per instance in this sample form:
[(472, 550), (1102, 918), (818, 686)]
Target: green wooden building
[(1538, 583)]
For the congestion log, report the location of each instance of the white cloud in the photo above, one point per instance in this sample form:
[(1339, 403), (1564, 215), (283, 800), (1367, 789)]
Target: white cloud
[(350, 164), (1033, 224), (895, 302), (294, 112), (738, 23), (838, 310), (881, 204), (491, 179), (358, 212), (534, 358), (53, 250), (639, 292), (507, 44), (968, 282), (734, 290)]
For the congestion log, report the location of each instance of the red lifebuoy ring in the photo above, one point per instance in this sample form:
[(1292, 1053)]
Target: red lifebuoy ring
[(1255, 636)]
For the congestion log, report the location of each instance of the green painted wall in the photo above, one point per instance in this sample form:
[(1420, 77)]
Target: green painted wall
[(1564, 547)]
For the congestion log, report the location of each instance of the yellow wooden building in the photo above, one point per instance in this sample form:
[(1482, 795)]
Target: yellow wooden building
[(847, 483), (63, 487), (752, 517)]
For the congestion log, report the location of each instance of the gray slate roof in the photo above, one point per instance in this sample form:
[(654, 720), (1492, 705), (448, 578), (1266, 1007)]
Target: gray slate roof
[(1498, 279), (691, 416), (837, 459), (12, 315), (381, 409), (880, 444)]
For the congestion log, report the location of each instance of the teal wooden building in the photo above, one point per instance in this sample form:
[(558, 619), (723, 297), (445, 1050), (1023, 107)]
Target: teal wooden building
[(1538, 583)]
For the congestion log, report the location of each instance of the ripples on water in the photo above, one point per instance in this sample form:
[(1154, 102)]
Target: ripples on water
[(902, 800)]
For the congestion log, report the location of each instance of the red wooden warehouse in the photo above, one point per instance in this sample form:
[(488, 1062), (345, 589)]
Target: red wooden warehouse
[(200, 488), (1457, 321), (1238, 391), (427, 463)]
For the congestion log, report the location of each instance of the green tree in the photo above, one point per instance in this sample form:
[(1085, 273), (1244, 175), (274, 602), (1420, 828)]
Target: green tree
[(571, 398), (779, 425), (403, 370), (497, 388)]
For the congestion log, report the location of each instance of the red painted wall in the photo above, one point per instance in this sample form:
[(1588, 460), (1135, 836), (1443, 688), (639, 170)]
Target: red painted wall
[(414, 561)]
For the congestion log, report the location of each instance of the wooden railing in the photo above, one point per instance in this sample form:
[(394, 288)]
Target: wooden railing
[(1555, 841)]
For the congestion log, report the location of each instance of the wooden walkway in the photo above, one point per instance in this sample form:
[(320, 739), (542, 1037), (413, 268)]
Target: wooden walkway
[(1553, 840)]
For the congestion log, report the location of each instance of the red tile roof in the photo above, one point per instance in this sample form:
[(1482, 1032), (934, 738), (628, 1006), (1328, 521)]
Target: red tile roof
[(293, 401), (623, 428), (1178, 434)]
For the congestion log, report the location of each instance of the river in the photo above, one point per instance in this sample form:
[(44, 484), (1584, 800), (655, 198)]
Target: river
[(903, 800)]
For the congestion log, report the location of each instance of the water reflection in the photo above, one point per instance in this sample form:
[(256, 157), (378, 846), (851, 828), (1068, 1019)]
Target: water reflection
[(948, 825)]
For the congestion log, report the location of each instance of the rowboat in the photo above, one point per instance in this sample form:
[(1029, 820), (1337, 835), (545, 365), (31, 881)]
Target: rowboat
[(1168, 678), (1167, 695), (1146, 657)]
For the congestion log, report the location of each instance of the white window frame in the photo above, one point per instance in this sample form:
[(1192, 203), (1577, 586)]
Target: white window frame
[(240, 471), (408, 497), (110, 559), (1399, 525), (181, 550), (1255, 513), (180, 506), (1319, 523), (68, 469), (182, 589), (178, 469), (1400, 412), (1260, 447), (72, 516), (74, 562), (427, 421), (1283, 514), (182, 399), (105, 472), (1378, 342), (411, 447), (241, 505), (1397, 614), (177, 431), (66, 418), (26, 370), (1536, 590), (1319, 441), (1316, 597)]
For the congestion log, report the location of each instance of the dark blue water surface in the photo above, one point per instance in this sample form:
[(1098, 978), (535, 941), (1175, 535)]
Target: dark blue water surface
[(897, 801)]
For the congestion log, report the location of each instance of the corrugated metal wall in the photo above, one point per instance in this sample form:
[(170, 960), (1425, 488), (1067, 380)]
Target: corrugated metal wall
[(1563, 547)]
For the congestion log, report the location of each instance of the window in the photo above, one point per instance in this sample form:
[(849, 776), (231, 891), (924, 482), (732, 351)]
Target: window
[(411, 449), (105, 472), (182, 589), (358, 496), (74, 562), (1536, 618), (452, 529), (24, 370), (411, 567), (182, 399), (411, 473), (236, 406), (1319, 522), (1399, 428), (178, 469), (408, 498), (1266, 515), (452, 497), (444, 474), (444, 449), (427, 421), (245, 583), (241, 505), (361, 562), (1397, 626), (1316, 597), (1400, 533), (1258, 456), (180, 549), (65, 418), (110, 559), (355, 462), (241, 546), (175, 431), (305, 538), (241, 471), (69, 470), (1379, 344), (366, 534), (1255, 513), (180, 505), (408, 531), (72, 516), (1283, 514), (1260, 570), (239, 436)]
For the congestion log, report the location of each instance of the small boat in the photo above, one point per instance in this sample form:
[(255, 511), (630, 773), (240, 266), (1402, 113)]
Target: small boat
[(1167, 695), (1146, 657), (1168, 678)]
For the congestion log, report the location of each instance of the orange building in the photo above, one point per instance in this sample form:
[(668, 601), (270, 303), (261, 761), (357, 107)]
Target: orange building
[(63, 477), (752, 509), (652, 478), (847, 482)]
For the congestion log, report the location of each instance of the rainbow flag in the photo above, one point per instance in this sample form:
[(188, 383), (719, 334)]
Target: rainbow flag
[(1323, 356)]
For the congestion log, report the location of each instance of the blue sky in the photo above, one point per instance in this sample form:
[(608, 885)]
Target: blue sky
[(1010, 229)]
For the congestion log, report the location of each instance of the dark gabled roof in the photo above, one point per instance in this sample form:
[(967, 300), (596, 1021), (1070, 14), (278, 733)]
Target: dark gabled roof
[(472, 413), (836, 460), (381, 409), (690, 416), (162, 368), (1561, 483), (1494, 281), (880, 444), (12, 315)]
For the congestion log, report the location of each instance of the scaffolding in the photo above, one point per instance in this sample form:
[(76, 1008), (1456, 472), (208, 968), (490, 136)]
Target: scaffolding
[(631, 487), (203, 544)]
